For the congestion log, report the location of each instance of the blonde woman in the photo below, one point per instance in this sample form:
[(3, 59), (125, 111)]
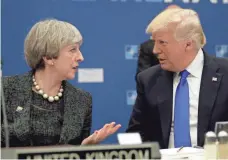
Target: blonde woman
[(42, 107)]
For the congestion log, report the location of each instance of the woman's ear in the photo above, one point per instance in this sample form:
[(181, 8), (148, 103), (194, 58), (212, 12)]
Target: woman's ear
[(48, 61)]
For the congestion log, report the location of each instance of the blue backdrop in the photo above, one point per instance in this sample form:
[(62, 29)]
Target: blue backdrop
[(112, 29)]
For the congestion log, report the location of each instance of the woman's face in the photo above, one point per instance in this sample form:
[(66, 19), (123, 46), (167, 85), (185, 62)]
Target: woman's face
[(68, 60)]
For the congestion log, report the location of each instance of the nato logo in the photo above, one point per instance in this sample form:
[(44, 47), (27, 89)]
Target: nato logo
[(131, 97), (221, 50), (131, 51)]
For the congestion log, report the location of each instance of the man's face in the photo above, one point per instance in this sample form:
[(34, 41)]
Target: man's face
[(170, 52)]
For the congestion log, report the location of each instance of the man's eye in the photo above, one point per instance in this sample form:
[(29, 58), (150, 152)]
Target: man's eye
[(162, 42), (73, 49)]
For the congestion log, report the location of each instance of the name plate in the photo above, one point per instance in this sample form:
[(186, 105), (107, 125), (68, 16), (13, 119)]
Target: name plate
[(140, 151)]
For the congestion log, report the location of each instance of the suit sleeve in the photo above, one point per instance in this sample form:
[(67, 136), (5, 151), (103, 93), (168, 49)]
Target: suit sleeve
[(85, 132), (137, 116), (88, 121), (6, 82)]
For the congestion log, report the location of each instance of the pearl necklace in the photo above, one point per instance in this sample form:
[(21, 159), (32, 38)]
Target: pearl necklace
[(45, 96)]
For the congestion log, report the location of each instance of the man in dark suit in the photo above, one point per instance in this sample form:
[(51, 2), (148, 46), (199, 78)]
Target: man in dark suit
[(146, 57), (181, 99)]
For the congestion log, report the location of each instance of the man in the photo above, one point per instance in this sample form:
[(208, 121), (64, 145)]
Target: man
[(146, 57), (181, 99)]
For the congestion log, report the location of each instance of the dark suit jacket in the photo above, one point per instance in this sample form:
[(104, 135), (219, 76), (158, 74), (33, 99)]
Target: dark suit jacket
[(77, 111), (152, 113), (146, 57)]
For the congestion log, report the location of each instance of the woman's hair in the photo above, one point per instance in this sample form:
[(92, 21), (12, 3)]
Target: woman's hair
[(46, 38)]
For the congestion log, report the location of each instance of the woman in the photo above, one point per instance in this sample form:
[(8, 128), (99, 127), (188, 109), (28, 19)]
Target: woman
[(42, 107)]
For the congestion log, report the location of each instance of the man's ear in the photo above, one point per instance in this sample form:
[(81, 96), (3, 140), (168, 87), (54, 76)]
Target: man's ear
[(188, 45)]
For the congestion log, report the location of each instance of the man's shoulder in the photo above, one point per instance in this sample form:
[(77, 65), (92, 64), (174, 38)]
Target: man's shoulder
[(149, 44), (150, 73), (222, 62)]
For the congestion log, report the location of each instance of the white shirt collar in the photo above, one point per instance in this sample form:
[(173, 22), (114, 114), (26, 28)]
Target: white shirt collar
[(196, 66)]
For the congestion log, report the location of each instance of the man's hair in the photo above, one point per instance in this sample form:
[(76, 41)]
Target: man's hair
[(185, 24)]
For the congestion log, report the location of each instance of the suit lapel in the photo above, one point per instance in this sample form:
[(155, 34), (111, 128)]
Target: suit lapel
[(208, 91), (164, 92), (22, 97), (73, 117)]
